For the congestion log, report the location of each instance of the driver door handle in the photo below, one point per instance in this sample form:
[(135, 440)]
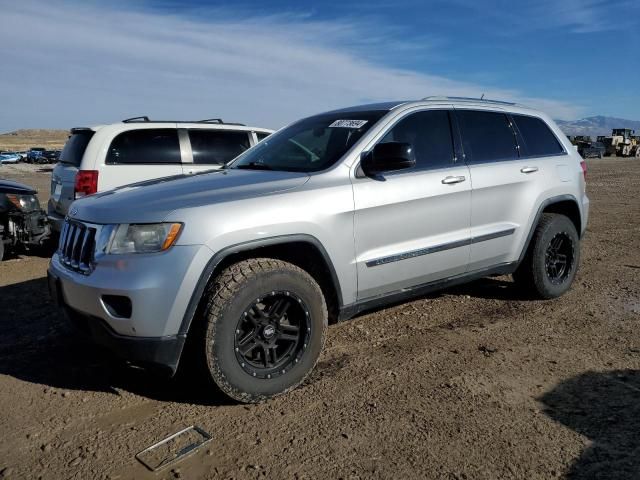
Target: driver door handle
[(449, 180), (529, 169)]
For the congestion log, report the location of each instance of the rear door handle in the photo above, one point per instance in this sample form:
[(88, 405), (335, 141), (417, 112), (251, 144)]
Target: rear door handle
[(451, 179), (529, 169)]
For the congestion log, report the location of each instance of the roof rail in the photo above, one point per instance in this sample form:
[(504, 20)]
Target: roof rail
[(145, 119), (135, 119), (470, 99)]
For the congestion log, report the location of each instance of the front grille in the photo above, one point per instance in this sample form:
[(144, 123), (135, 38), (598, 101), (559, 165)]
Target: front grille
[(76, 247)]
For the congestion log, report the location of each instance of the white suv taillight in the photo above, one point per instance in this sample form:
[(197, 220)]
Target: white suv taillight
[(583, 164), (86, 183)]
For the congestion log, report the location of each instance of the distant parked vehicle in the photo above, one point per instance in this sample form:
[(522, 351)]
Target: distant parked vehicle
[(23, 224), (34, 153), (138, 149), (9, 158), (591, 149), (49, 156), (22, 155), (10, 152)]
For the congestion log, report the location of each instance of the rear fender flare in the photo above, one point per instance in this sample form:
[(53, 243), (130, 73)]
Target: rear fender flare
[(546, 203)]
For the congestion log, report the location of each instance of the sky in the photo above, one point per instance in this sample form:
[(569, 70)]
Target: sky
[(85, 62)]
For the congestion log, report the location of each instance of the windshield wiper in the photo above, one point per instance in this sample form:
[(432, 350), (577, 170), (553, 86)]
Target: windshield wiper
[(254, 166)]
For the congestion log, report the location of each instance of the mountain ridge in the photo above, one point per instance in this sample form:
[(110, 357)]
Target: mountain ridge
[(596, 125)]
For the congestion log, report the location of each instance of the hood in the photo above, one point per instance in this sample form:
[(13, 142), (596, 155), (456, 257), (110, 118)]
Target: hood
[(8, 186), (153, 200)]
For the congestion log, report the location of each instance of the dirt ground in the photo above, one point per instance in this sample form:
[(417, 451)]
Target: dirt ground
[(471, 383)]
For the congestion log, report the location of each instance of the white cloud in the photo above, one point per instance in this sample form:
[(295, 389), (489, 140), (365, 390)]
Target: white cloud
[(79, 63)]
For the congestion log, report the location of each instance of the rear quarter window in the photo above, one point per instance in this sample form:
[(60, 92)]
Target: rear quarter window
[(145, 146), (538, 138), (73, 150), (487, 136)]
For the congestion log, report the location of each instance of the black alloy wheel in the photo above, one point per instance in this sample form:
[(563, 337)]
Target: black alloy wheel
[(551, 261), (264, 328), (559, 258), (272, 334)]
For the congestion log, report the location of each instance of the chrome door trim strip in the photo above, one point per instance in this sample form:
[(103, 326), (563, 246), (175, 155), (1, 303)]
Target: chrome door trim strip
[(439, 248), (491, 236)]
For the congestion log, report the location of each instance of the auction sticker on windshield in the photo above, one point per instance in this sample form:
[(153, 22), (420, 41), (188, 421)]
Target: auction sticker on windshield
[(348, 123)]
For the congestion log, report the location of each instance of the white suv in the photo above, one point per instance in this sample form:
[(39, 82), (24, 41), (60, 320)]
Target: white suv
[(108, 156)]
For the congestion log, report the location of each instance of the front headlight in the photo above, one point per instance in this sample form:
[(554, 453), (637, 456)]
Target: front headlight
[(26, 203), (143, 238)]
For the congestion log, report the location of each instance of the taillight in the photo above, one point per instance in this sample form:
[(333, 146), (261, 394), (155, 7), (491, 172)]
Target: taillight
[(583, 164), (86, 183)]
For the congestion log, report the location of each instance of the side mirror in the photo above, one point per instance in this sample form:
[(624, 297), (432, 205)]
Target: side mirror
[(388, 157)]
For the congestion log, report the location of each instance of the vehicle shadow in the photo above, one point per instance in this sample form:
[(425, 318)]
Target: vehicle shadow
[(495, 288), (37, 345), (491, 288), (605, 408)]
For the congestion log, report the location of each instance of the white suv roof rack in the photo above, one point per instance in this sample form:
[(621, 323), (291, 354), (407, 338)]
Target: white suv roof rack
[(145, 119)]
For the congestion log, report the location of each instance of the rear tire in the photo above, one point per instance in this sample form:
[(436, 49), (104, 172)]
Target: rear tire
[(1, 249), (551, 262), (266, 322)]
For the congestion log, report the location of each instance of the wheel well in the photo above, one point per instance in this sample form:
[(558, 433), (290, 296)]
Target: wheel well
[(569, 209), (302, 254)]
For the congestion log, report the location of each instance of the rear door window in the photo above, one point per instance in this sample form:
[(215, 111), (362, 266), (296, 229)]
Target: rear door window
[(262, 136), (145, 146), (217, 147), (429, 133), (486, 136), (538, 138), (74, 148)]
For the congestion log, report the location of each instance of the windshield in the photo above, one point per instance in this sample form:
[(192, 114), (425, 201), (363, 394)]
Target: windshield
[(310, 145)]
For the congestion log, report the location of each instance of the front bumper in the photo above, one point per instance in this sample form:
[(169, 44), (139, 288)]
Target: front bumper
[(162, 352), (159, 287)]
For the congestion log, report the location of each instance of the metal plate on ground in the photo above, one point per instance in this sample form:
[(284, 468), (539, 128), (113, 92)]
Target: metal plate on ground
[(173, 448)]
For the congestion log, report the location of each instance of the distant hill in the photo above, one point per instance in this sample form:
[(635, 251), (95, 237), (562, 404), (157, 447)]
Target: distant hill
[(25, 139), (598, 125)]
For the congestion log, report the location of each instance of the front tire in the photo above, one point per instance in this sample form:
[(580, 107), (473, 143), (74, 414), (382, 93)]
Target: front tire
[(266, 322), (551, 262)]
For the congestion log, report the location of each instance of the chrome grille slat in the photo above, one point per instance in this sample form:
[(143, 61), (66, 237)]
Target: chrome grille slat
[(63, 234), (70, 240), (63, 237), (77, 245)]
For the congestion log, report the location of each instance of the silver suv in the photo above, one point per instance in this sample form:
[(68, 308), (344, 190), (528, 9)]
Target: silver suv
[(331, 216)]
